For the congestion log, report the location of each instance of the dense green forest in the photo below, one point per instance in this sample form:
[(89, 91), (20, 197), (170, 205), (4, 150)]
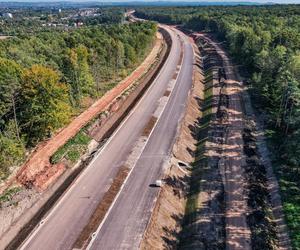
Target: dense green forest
[(266, 41), (48, 77)]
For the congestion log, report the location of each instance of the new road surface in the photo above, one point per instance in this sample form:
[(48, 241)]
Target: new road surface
[(126, 221)]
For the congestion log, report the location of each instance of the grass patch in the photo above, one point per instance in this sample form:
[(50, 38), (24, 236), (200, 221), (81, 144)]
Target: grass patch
[(73, 149), (199, 165), (8, 194)]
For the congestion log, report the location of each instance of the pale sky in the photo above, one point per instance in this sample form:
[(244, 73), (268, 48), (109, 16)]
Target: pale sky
[(257, 1)]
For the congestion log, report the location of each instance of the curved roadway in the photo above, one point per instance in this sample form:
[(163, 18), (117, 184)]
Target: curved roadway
[(127, 219)]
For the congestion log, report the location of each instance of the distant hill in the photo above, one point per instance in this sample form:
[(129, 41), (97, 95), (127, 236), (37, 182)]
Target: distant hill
[(69, 4)]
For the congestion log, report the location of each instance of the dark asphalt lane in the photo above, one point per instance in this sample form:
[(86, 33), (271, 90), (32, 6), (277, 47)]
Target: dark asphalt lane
[(128, 217), (65, 221)]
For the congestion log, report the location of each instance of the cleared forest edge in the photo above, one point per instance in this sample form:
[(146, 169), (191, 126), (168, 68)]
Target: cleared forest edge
[(40, 208), (225, 147), (38, 163), (252, 200), (284, 241)]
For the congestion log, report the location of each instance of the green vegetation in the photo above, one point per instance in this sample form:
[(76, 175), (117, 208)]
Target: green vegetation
[(266, 41), (51, 75), (73, 149), (9, 194)]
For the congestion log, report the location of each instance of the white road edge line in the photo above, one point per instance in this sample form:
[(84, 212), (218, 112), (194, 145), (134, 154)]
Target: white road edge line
[(156, 198), (38, 227), (126, 179)]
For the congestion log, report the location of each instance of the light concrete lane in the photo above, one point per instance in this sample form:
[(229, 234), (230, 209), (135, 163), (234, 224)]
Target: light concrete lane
[(66, 220), (128, 218)]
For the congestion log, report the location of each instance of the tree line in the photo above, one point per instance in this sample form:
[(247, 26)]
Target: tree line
[(47, 78), (266, 40)]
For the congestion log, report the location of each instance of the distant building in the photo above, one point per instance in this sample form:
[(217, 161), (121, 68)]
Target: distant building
[(59, 10), (7, 15), (78, 24)]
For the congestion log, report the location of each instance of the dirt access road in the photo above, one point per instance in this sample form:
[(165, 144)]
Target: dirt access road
[(230, 153), (234, 112)]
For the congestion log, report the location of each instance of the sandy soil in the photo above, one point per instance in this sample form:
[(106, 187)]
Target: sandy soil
[(230, 152), (238, 110)]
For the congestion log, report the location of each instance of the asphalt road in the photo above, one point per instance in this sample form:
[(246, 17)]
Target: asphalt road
[(128, 218), (63, 224)]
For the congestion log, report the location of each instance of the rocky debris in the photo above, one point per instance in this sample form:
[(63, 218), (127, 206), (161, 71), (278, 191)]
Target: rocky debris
[(260, 217), (48, 176), (14, 206)]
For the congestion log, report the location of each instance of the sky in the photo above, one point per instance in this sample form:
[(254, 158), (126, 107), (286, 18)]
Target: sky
[(257, 1)]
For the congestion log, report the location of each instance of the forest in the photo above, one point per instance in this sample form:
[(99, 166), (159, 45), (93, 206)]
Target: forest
[(265, 40), (49, 76)]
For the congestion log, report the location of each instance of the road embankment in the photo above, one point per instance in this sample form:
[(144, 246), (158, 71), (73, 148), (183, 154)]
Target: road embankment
[(118, 110), (39, 164), (165, 225)]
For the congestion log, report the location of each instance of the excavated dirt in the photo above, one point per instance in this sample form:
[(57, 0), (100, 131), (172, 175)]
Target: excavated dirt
[(102, 208), (167, 93), (149, 126), (203, 225), (225, 148)]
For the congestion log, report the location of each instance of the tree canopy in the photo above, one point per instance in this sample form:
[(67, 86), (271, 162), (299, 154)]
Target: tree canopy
[(48, 77)]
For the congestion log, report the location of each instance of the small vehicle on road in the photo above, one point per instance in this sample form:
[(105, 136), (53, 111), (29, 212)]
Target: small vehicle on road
[(158, 183)]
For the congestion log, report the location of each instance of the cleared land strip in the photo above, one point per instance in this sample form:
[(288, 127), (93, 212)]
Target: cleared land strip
[(264, 213)]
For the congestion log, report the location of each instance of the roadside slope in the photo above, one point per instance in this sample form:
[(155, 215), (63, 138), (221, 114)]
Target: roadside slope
[(83, 197), (38, 163), (127, 220)]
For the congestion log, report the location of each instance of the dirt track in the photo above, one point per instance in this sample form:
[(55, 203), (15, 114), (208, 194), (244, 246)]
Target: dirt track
[(231, 156), (232, 151)]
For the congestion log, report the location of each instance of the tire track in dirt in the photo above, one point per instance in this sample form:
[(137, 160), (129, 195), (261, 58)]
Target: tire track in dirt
[(227, 149), (254, 217)]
